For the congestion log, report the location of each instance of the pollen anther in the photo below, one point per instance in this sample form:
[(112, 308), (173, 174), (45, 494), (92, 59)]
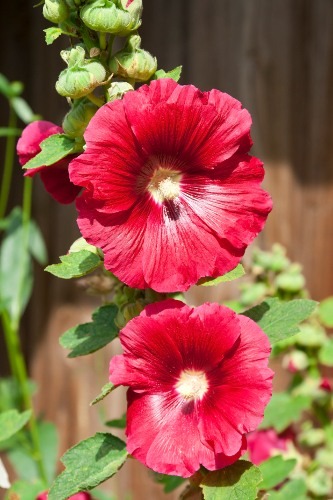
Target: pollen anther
[(192, 384)]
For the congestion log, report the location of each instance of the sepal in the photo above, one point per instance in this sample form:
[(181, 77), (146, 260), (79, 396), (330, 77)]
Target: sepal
[(119, 17)]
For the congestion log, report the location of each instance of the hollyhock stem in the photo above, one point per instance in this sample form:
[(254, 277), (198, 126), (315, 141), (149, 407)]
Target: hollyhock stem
[(102, 40), (8, 164), (11, 328), (96, 100)]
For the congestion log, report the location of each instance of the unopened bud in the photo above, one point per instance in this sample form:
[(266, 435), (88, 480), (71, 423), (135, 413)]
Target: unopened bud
[(82, 75), (117, 90), (119, 17), (77, 119), (133, 62), (55, 11), (295, 361)]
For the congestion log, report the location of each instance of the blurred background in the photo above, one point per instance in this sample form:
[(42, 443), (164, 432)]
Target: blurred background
[(276, 57)]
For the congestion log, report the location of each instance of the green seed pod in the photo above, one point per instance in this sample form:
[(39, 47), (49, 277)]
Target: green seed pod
[(82, 75), (119, 17), (55, 11), (117, 90), (77, 119), (133, 62)]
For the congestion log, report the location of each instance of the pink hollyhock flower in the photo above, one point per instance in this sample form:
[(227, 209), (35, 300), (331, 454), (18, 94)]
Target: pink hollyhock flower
[(171, 194), (198, 382), (263, 444), (326, 385), (55, 177), (78, 496)]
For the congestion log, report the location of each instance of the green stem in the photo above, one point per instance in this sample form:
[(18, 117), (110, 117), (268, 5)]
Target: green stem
[(102, 40), (96, 100), (8, 164), (11, 324), (20, 371)]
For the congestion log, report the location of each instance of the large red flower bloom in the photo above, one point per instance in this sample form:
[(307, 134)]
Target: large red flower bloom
[(171, 193), (55, 177), (198, 381)]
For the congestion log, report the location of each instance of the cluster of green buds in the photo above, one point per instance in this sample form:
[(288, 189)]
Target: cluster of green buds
[(92, 26)]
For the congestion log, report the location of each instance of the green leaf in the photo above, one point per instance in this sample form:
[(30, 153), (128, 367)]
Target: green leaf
[(15, 268), (169, 483), (275, 470), (106, 389), (7, 132), (52, 34), (25, 490), (75, 265), (36, 243), (239, 481), (23, 110), (173, 73), (48, 438), (238, 272), (326, 353), (89, 337), (22, 458), (11, 422), (284, 409), (10, 89), (295, 490), (88, 464), (118, 423), (279, 319), (53, 149), (325, 311)]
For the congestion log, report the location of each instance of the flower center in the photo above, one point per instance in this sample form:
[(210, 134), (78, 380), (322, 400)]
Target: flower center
[(165, 184), (192, 384)]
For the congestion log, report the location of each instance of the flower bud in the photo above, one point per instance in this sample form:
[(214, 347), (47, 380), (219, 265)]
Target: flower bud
[(295, 361), (55, 11), (82, 75), (119, 17), (133, 62), (117, 90), (77, 119)]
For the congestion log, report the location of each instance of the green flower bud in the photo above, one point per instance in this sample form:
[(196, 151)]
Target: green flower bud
[(119, 17), (82, 75), (117, 90), (77, 119), (133, 62), (55, 11)]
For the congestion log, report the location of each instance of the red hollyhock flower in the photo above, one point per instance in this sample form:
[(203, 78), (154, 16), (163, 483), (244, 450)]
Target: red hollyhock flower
[(198, 382), (171, 194), (55, 177), (78, 496), (265, 443)]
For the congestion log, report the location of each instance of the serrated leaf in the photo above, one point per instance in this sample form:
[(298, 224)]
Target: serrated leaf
[(11, 422), (23, 110), (52, 34), (88, 464), (284, 409), (325, 311), (326, 353), (238, 272), (275, 470), (173, 73), (89, 337), (295, 490), (238, 481), (279, 319), (106, 389), (75, 265), (118, 423), (53, 149)]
